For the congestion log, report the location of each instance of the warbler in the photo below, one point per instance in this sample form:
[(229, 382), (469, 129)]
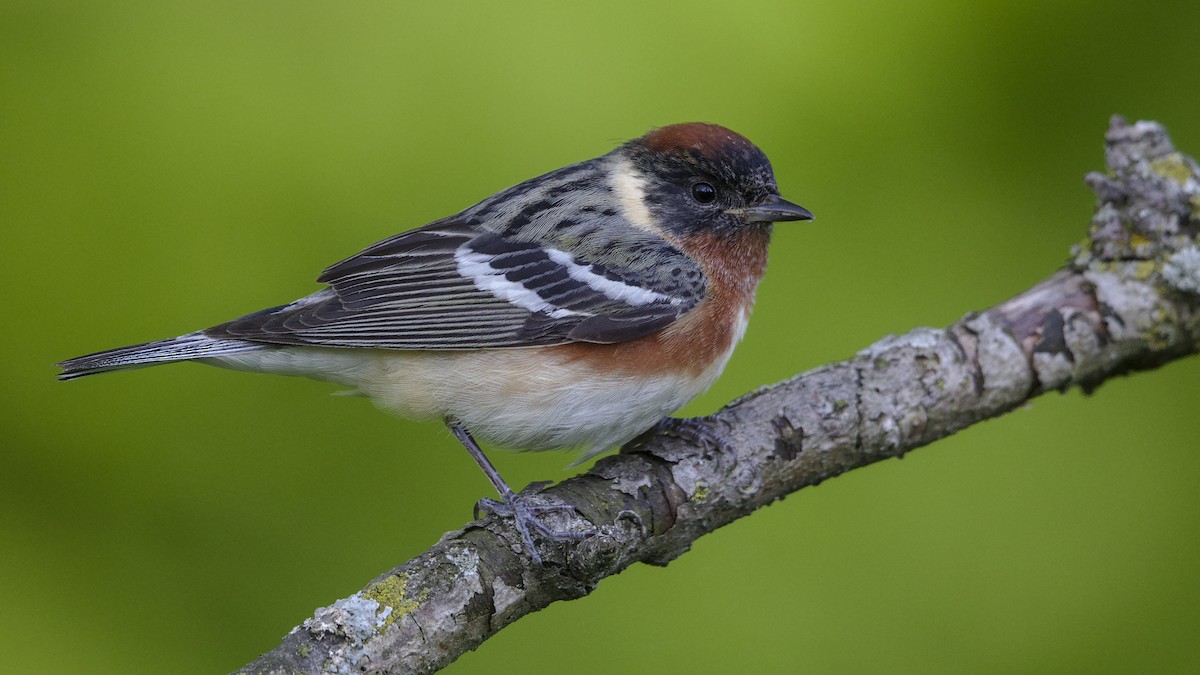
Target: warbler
[(574, 310)]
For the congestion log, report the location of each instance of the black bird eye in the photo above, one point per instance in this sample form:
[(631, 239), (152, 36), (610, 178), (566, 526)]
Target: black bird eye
[(704, 193)]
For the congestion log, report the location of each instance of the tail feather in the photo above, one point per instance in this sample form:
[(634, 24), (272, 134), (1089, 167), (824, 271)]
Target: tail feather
[(183, 348)]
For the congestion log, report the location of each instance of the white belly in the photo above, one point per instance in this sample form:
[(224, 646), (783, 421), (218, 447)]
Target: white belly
[(513, 398)]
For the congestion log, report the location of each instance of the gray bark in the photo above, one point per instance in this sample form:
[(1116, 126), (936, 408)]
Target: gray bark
[(1128, 300)]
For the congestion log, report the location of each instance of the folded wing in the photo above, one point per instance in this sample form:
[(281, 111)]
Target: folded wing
[(452, 285)]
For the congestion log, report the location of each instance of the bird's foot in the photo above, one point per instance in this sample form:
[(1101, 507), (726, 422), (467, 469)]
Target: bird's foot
[(695, 430), (525, 516)]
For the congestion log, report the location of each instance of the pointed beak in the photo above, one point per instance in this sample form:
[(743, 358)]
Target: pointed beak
[(775, 209)]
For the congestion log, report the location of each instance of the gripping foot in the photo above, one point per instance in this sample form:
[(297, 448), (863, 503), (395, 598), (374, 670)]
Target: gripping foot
[(519, 507), (695, 430), (525, 517)]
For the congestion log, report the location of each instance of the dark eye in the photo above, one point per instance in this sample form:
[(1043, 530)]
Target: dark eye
[(704, 193)]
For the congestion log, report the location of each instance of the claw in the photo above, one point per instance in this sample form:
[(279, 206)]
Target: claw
[(695, 430), (525, 518)]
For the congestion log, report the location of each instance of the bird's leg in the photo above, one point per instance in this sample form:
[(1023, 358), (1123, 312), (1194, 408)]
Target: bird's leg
[(511, 504)]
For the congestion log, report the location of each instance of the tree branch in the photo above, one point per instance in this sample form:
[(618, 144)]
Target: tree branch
[(1128, 300)]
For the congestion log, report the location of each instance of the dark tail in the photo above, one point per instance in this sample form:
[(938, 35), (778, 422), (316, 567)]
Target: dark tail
[(183, 348)]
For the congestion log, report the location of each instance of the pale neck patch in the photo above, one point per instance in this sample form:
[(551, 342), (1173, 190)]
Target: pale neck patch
[(629, 186)]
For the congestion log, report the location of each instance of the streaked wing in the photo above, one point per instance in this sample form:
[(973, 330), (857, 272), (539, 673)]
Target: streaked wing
[(451, 285)]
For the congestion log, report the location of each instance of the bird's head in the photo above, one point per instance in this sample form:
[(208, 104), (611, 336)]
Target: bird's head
[(698, 177)]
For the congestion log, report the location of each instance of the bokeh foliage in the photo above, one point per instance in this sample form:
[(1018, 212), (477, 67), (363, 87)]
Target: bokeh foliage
[(168, 165)]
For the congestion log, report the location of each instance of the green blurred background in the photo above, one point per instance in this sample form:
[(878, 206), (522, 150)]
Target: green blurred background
[(165, 166)]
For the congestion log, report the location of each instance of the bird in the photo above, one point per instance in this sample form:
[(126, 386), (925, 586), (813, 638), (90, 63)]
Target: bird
[(576, 310)]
